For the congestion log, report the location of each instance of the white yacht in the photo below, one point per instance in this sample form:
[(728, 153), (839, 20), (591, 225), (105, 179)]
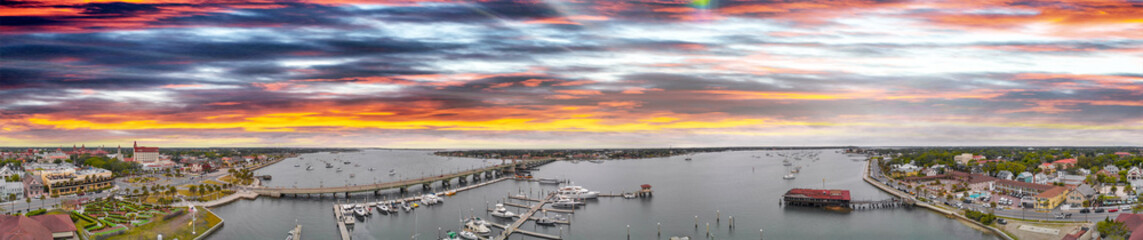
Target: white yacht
[(468, 235), (430, 199), (549, 181), (477, 226), (502, 212), (566, 203), (577, 192), (383, 208), (788, 176)]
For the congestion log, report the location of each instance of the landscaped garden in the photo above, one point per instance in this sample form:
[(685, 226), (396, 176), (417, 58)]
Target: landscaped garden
[(105, 218)]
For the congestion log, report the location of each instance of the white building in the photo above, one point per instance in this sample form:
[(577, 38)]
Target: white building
[(963, 158), (11, 189)]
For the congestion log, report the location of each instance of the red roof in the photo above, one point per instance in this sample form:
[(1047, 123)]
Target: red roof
[(1133, 222), (56, 222), (831, 194), (21, 227), (146, 149), (1065, 161)]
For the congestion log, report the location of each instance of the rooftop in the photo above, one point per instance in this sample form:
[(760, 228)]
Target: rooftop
[(831, 194)]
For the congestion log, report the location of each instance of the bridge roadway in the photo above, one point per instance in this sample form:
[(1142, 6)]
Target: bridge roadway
[(278, 192)]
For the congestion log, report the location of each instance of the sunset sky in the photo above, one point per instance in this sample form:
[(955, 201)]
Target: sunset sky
[(564, 74)]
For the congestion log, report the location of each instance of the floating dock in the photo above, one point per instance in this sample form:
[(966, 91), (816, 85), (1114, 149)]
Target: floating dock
[(514, 227), (534, 234)]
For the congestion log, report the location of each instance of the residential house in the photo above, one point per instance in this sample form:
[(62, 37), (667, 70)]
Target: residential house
[(1110, 170), (1009, 186), (1083, 172), (1042, 178), (1081, 193), (1006, 175), (930, 172), (1025, 177), (905, 170), (1135, 173), (1047, 168), (1072, 179)]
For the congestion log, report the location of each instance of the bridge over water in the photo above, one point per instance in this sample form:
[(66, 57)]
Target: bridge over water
[(403, 185)]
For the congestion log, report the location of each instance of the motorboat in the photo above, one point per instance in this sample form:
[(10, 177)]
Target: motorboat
[(297, 165), (406, 206), (577, 192), (356, 165), (309, 168), (595, 161), (392, 173), (451, 235), (338, 169), (360, 211), (546, 221), (688, 159), (629, 195), (383, 208), (393, 207), (502, 212), (370, 169), (468, 235), (347, 162), (351, 175), (787, 163), (788, 176), (548, 181), (430, 199), (566, 203), (348, 220), (477, 226), (328, 165)]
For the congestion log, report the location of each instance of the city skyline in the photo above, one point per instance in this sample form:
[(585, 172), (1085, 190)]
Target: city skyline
[(559, 74)]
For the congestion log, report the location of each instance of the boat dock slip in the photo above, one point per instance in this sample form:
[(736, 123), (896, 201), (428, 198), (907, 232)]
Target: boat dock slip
[(518, 197), (534, 234), (524, 218), (340, 223)]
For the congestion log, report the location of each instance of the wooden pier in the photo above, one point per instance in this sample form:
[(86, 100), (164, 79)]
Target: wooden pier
[(297, 233), (340, 222), (529, 233), (568, 211), (514, 227)]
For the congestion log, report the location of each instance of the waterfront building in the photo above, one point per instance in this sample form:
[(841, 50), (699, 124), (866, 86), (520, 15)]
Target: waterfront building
[(1021, 187), (63, 181), (51, 226), (1051, 198), (816, 197), (905, 170)]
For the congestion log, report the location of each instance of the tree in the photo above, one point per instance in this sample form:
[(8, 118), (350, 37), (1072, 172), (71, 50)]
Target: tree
[(193, 189), (1137, 208), (1111, 229)]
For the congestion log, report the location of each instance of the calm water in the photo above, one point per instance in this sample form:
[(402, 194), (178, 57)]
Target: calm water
[(734, 183)]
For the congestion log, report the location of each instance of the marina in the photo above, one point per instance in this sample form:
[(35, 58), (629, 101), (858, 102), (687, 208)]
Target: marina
[(607, 216)]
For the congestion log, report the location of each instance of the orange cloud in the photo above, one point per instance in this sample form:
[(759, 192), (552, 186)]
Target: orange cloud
[(621, 104), (579, 92), (277, 86)]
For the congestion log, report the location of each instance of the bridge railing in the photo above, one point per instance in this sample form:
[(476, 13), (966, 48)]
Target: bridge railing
[(395, 183)]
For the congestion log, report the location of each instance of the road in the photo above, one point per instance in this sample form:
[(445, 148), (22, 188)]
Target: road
[(1016, 212)]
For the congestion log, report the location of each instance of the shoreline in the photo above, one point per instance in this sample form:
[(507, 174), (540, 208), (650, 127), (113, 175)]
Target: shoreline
[(975, 225)]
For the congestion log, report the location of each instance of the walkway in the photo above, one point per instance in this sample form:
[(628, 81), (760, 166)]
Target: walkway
[(525, 217)]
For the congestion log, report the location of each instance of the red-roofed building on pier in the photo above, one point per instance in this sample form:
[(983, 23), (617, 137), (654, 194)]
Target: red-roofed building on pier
[(816, 197)]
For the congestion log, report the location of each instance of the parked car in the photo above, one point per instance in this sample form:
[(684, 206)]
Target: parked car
[(967, 201), (1001, 221), (1098, 210), (1085, 210), (1113, 210)]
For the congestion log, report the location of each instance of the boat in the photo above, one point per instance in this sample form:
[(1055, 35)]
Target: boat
[(356, 165), (430, 199), (577, 192), (787, 163), (679, 238), (360, 211), (328, 165), (477, 226), (688, 159), (370, 169), (297, 231), (595, 161), (392, 173), (628, 195), (348, 220), (502, 212), (393, 207), (566, 203), (406, 206), (338, 169), (383, 208), (297, 165), (548, 181), (450, 235), (309, 168), (347, 162), (788, 176), (468, 235), (351, 175), (546, 221)]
